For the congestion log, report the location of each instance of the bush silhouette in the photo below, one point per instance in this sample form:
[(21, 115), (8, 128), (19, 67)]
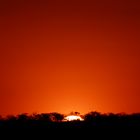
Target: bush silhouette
[(47, 123)]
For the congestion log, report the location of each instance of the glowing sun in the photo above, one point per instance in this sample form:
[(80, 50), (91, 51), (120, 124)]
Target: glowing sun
[(73, 118)]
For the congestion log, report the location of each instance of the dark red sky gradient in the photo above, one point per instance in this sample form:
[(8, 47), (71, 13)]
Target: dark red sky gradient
[(69, 55)]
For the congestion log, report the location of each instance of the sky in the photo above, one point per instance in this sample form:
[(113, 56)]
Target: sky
[(69, 55)]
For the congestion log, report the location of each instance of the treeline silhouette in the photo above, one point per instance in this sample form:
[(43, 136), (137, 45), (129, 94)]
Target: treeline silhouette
[(92, 118), (94, 123)]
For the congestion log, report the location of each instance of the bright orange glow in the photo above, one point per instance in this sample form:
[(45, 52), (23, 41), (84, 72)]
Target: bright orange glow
[(73, 118), (65, 55)]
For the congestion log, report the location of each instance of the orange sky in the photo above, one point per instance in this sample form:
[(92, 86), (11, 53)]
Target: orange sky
[(69, 55)]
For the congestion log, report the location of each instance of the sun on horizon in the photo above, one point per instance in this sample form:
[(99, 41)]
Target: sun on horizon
[(73, 118)]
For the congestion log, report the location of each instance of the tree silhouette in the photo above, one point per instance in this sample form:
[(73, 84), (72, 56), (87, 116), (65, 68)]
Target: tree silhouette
[(23, 117), (92, 116), (43, 117), (57, 116), (93, 121), (11, 118)]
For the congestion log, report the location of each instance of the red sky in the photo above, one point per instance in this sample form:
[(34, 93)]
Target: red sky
[(69, 55)]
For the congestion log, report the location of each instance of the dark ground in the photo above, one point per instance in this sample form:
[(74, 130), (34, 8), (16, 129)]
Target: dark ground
[(95, 126)]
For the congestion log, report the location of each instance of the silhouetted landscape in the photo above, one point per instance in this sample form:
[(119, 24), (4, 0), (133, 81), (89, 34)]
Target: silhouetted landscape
[(53, 124), (69, 55)]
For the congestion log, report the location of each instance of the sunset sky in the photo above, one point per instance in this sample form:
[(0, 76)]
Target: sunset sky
[(69, 55)]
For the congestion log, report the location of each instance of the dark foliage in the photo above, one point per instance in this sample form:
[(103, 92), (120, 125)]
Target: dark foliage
[(94, 125)]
